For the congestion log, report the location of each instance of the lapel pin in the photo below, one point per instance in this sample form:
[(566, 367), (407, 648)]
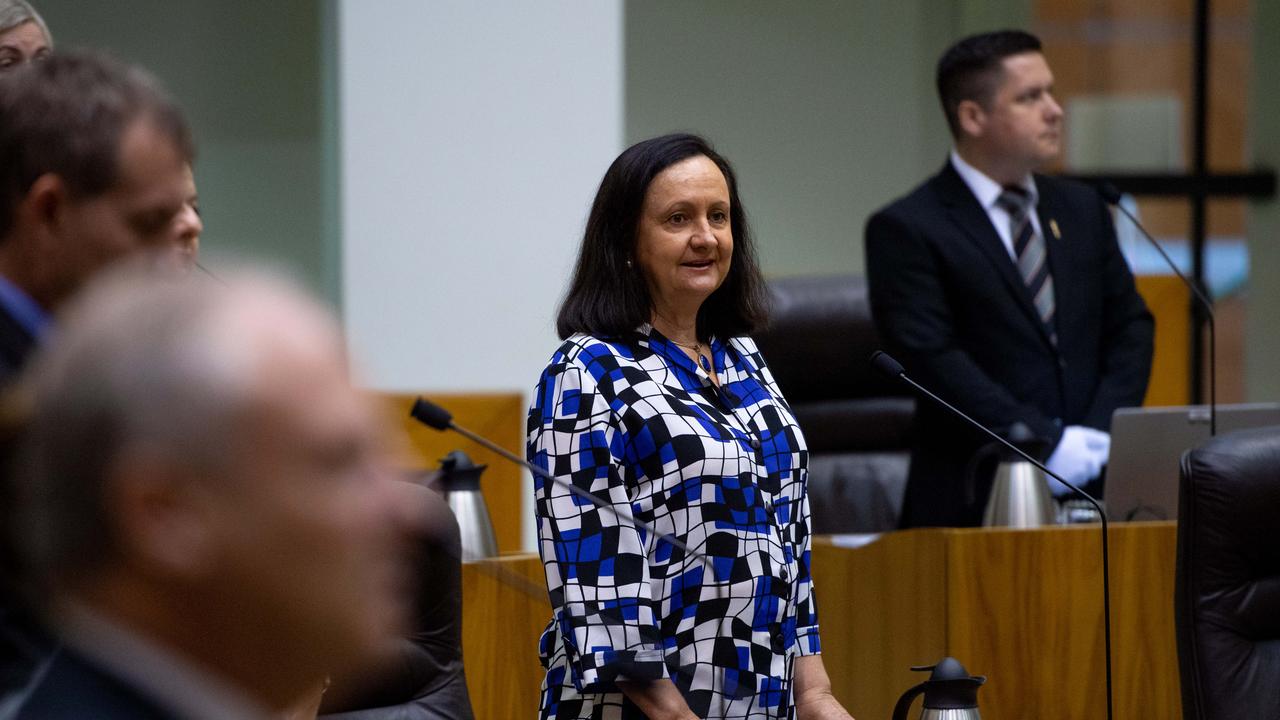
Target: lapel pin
[(1053, 228)]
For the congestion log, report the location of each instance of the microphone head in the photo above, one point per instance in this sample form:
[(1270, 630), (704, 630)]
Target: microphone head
[(431, 414), (886, 364), (1109, 192)]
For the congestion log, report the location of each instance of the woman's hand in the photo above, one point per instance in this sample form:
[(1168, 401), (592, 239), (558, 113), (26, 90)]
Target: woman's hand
[(658, 699), (814, 700)]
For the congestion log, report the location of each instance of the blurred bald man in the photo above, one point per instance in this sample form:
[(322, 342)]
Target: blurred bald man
[(202, 504)]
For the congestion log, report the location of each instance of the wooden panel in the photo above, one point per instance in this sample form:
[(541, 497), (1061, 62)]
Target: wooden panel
[(880, 611), (1026, 608), (1023, 607), (505, 608), (1167, 298), (499, 417)]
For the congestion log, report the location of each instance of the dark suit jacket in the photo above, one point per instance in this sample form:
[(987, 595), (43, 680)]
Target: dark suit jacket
[(22, 642), (74, 689), (950, 304), (16, 344)]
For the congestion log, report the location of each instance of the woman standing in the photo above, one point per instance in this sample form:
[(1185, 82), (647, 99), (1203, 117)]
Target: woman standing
[(659, 403)]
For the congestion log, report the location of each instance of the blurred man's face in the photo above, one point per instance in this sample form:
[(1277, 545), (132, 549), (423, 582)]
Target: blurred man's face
[(136, 213), (184, 231), (1024, 123), (313, 533)]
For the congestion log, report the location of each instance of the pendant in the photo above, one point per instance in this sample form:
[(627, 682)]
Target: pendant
[(706, 364)]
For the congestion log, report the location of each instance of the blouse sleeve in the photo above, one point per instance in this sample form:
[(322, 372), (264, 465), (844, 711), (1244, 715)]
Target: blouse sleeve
[(806, 607), (596, 562)]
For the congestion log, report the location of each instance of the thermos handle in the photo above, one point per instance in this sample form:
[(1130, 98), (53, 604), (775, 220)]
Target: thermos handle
[(904, 703)]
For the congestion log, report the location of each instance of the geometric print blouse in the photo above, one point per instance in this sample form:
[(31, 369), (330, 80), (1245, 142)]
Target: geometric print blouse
[(636, 422)]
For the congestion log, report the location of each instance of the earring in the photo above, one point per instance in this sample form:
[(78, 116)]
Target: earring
[(628, 264)]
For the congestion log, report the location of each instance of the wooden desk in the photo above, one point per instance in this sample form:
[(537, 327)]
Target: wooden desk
[(1023, 607), (504, 609)]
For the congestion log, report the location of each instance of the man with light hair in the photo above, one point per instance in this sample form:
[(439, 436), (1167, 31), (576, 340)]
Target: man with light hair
[(203, 508)]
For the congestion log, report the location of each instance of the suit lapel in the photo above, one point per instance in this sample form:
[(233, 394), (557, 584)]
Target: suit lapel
[(969, 216)]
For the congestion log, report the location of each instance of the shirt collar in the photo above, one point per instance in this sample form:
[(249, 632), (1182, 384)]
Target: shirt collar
[(24, 310), (663, 346), (986, 190), (160, 674)]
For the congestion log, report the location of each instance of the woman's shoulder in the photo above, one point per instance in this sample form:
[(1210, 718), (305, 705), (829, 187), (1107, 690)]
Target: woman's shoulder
[(589, 351), (746, 347)]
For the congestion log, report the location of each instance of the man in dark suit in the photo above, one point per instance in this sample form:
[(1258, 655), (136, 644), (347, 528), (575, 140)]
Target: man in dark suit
[(93, 157), (204, 509), (1003, 290)]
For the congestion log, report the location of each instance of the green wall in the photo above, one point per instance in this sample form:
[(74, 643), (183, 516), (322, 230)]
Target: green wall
[(250, 75), (826, 108)]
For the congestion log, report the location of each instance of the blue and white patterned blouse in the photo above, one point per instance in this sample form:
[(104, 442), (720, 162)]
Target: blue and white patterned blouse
[(638, 423)]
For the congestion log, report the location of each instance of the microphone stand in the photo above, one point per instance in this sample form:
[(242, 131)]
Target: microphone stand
[(886, 364), (1112, 196)]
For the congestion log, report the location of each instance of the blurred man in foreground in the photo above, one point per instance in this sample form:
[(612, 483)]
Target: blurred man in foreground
[(202, 505)]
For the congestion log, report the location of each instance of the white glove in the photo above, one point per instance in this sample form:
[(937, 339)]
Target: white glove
[(1079, 457)]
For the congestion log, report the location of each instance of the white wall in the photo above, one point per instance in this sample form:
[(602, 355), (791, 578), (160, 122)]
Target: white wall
[(473, 137)]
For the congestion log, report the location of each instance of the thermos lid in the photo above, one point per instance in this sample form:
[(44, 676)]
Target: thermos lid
[(459, 472), (950, 686), (1026, 440)]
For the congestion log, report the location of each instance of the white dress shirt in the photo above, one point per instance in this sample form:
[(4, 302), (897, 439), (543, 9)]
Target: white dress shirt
[(988, 191)]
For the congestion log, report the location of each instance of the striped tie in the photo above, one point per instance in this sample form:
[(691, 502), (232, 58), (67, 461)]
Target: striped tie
[(1033, 258)]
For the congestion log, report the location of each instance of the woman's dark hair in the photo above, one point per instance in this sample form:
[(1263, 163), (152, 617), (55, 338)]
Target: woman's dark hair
[(608, 299)]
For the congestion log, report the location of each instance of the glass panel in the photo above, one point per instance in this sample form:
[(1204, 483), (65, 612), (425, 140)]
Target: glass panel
[(1123, 70)]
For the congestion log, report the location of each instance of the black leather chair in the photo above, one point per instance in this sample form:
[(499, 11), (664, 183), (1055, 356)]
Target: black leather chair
[(1227, 596), (423, 678), (856, 421)]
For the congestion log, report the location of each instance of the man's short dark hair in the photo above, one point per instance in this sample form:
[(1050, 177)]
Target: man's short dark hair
[(971, 69), (606, 298), (66, 114)]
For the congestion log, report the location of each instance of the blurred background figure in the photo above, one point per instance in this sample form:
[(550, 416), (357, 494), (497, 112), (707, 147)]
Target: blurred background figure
[(185, 230), (23, 35), (236, 535), (94, 166)]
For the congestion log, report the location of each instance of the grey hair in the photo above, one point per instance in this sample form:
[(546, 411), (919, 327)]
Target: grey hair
[(136, 359), (16, 12)]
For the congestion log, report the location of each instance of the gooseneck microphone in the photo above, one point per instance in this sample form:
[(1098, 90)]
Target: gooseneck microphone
[(883, 362), (1111, 195), (436, 417)]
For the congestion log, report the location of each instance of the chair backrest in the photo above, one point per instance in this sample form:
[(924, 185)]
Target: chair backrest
[(1227, 595), (425, 678), (820, 339)]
